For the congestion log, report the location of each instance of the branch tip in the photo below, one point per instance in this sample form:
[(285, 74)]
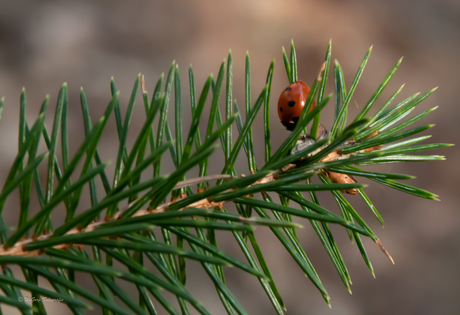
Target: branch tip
[(320, 77), (144, 91), (379, 244)]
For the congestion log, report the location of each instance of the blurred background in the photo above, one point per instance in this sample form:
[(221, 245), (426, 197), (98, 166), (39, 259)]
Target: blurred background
[(85, 43)]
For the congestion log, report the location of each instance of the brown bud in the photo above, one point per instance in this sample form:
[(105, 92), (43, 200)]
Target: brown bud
[(322, 132), (377, 147), (339, 178), (66, 246), (372, 134), (331, 156)]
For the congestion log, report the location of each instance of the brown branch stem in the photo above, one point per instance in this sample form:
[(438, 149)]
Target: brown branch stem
[(20, 249)]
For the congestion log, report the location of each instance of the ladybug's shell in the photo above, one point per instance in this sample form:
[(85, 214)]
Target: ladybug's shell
[(291, 103)]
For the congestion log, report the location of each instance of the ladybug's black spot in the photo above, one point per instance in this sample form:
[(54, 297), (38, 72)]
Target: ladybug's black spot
[(291, 103), (288, 89), (295, 119), (281, 109)]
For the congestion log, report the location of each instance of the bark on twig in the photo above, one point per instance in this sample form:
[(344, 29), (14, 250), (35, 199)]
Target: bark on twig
[(19, 249)]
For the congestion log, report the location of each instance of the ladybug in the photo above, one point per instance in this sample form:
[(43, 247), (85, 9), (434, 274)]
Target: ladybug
[(291, 102)]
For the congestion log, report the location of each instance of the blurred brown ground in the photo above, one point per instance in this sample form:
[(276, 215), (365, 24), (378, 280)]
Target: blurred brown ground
[(84, 43)]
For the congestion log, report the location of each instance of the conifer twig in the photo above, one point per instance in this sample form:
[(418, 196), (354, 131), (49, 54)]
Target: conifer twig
[(19, 249)]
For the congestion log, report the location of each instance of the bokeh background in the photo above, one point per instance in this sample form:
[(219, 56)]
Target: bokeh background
[(84, 43)]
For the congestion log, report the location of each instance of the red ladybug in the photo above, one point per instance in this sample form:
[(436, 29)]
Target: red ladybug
[(291, 102)]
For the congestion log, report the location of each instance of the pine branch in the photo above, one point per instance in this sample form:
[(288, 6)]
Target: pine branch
[(127, 235)]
